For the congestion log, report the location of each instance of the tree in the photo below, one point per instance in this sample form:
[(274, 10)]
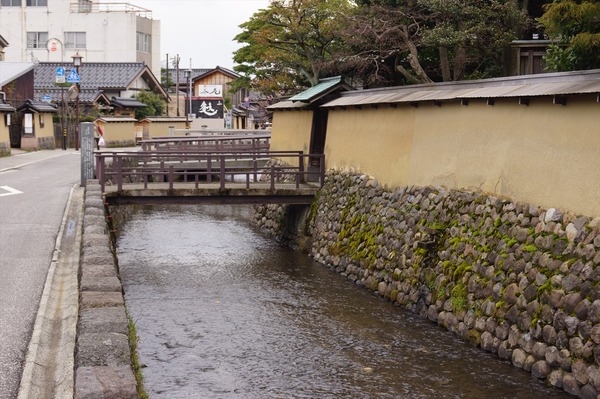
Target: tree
[(287, 44), (154, 104), (429, 40), (576, 26)]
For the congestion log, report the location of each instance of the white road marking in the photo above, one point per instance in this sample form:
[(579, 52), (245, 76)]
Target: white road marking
[(11, 191)]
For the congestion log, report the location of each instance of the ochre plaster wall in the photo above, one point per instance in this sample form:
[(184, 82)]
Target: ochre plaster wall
[(4, 132), (377, 142), (118, 132), (48, 129), (161, 129), (291, 131), (544, 154)]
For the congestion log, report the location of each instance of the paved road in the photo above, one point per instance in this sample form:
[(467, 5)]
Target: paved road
[(34, 189)]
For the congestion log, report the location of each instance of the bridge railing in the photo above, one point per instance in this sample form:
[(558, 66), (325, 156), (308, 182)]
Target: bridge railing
[(150, 168), (255, 142)]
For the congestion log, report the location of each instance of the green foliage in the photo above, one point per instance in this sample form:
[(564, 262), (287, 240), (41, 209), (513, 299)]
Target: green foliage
[(286, 44), (155, 105), (576, 27), (458, 297), (429, 40), (165, 80), (133, 343)]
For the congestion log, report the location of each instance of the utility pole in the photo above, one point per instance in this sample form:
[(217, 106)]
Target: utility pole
[(177, 81), (167, 84)]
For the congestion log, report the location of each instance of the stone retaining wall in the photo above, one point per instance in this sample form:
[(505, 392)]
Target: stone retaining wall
[(103, 366), (512, 278)]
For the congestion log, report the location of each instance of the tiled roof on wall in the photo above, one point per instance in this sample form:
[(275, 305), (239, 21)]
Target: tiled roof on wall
[(97, 78), (550, 84), (95, 75)]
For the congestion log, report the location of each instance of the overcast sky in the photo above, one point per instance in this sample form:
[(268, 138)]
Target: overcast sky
[(202, 30)]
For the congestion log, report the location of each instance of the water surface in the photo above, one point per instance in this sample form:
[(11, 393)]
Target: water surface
[(224, 312)]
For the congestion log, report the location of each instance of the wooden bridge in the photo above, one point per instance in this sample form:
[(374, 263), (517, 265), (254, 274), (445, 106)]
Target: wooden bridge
[(219, 170)]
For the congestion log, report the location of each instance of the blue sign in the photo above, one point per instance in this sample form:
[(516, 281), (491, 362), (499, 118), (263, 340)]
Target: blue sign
[(60, 71), (73, 77), (46, 99)]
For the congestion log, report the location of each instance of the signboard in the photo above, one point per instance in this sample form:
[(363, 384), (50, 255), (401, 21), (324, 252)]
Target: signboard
[(28, 123), (47, 99), (208, 109), (87, 151), (53, 45), (210, 91), (60, 75), (73, 77)]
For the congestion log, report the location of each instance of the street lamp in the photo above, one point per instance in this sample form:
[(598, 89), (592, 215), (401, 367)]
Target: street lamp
[(188, 77), (77, 63)]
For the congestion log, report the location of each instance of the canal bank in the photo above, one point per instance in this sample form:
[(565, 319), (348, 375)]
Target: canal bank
[(103, 361), (511, 278)]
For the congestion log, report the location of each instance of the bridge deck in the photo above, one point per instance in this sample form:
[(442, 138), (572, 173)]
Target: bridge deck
[(214, 177), (210, 193)]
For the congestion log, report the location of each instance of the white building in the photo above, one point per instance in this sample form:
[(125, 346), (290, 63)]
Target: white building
[(54, 30)]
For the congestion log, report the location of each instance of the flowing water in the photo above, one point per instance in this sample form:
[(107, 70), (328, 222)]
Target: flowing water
[(224, 312)]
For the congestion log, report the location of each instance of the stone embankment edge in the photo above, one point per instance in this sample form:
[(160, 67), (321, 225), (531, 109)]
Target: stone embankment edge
[(509, 277), (48, 370), (103, 366)]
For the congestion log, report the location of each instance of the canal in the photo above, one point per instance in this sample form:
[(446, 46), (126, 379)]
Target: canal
[(224, 312)]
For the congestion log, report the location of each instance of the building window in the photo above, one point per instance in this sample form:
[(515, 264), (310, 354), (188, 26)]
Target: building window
[(37, 3), (37, 39), (85, 6), (142, 42), (74, 39), (10, 3)]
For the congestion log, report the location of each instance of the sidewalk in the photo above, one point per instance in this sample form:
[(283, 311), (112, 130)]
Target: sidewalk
[(79, 345)]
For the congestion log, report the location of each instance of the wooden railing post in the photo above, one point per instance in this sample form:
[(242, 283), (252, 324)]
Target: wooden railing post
[(171, 177), (222, 172), (273, 177), (300, 177), (209, 169), (119, 169), (100, 171), (255, 167)]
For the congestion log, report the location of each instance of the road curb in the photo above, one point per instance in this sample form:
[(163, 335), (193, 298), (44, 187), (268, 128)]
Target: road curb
[(48, 370)]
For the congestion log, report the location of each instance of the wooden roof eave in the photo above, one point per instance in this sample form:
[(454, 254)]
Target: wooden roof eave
[(146, 74)]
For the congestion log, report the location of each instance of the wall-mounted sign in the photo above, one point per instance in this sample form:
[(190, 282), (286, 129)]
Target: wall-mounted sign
[(60, 75), (210, 109), (209, 91), (28, 123), (53, 45)]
